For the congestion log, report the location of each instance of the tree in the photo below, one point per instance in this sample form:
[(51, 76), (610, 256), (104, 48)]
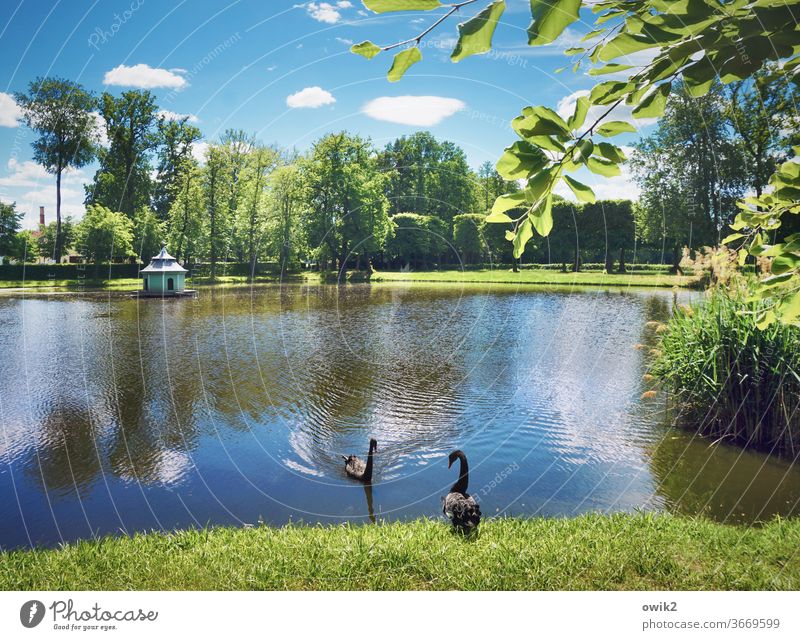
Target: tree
[(105, 235), (410, 240), (9, 226), (236, 147), (47, 239), (492, 185), (185, 219), (691, 172), (467, 236), (286, 206), (763, 115), (123, 183), (687, 44), (217, 197), (24, 247), (261, 162), (427, 176), (60, 111), (346, 205), (148, 234), (176, 138)]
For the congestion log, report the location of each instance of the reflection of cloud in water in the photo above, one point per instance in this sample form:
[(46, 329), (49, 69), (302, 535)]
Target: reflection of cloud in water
[(167, 468)]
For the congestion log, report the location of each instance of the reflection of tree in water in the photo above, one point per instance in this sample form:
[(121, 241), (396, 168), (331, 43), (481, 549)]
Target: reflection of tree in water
[(722, 481), (67, 457)]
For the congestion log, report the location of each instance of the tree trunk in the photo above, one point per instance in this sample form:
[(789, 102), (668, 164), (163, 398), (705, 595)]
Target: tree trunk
[(622, 268), (576, 263), (609, 263), (57, 245)]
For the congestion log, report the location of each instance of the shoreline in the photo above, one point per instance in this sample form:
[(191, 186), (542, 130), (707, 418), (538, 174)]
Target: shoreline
[(526, 278), (641, 551)]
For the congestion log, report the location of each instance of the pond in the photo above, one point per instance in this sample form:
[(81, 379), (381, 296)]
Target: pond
[(120, 415)]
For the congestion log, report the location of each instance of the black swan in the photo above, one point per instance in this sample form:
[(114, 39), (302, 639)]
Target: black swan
[(459, 506), (356, 468)]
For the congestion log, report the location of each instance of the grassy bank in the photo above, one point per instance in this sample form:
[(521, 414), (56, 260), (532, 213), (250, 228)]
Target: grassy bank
[(540, 277), (587, 552)]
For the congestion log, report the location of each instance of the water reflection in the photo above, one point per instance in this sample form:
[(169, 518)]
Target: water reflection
[(119, 414)]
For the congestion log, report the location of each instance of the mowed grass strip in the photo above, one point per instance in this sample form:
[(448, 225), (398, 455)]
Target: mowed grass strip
[(642, 551), (539, 276)]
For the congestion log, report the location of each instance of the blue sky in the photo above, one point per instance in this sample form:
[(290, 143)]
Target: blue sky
[(278, 68)]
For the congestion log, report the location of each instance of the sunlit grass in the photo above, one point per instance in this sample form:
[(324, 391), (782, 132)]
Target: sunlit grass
[(539, 276), (587, 552)]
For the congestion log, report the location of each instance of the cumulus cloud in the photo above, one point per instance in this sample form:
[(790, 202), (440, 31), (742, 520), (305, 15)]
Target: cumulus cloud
[(10, 113), (325, 12), (310, 98), (143, 76), (417, 111), (31, 174), (171, 115)]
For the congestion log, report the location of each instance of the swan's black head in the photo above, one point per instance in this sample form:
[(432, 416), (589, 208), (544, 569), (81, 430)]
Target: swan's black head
[(456, 455), (373, 444)]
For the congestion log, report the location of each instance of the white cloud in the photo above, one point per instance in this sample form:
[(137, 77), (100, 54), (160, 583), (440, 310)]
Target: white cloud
[(566, 107), (310, 98), (143, 76), (418, 111), (31, 174), (100, 129), (324, 12), (10, 113), (345, 41), (199, 150), (272, 68), (171, 115)]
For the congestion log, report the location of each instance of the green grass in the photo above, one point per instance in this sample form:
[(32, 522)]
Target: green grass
[(135, 284), (539, 277), (642, 551)]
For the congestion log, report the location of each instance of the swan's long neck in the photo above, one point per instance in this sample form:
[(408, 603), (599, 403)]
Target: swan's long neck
[(463, 477), (368, 470)]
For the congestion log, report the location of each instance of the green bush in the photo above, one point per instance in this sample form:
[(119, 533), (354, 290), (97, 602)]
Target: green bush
[(732, 380)]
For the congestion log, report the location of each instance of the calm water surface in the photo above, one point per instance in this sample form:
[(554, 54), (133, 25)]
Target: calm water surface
[(119, 415)]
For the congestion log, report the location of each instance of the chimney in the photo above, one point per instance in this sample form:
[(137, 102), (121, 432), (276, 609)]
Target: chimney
[(41, 216)]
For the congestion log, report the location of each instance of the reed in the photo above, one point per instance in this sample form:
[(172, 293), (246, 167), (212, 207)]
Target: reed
[(731, 380)]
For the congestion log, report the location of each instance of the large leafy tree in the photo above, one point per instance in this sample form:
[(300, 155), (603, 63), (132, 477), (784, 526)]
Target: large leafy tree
[(105, 235), (688, 43), (216, 189), (691, 171), (50, 236), (176, 138), (185, 218), (10, 220), (427, 176), (148, 234), (123, 182), (346, 203), (252, 214), (60, 111), (286, 204)]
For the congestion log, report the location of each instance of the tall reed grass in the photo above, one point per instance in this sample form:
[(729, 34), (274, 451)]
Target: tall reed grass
[(730, 379)]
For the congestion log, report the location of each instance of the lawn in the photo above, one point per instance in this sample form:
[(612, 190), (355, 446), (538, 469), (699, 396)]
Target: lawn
[(642, 551), (540, 277)]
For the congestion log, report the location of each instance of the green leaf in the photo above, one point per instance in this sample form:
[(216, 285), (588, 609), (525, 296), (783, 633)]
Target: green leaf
[(731, 238), (524, 233), (384, 6), (520, 160), (542, 216), (366, 49), (572, 51), (498, 217), (475, 35), (613, 67), (613, 128), (579, 116), (593, 34), (742, 256), (654, 103), (602, 167), (539, 121), (625, 44), (789, 309), (508, 201), (550, 18), (585, 148), (402, 61), (609, 91), (610, 152), (583, 192)]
